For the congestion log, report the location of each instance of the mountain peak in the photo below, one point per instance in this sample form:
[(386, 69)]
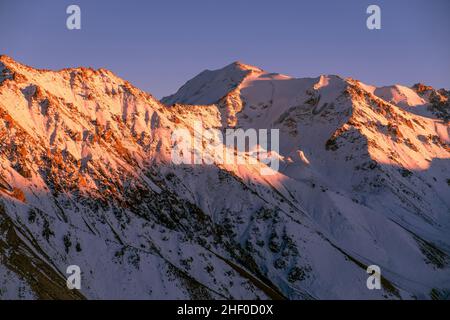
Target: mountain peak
[(243, 66), (6, 59), (210, 86), (6, 62)]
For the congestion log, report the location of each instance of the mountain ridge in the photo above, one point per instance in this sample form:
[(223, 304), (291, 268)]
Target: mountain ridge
[(86, 168)]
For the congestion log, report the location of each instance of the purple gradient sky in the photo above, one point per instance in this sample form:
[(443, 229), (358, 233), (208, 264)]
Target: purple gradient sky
[(159, 44)]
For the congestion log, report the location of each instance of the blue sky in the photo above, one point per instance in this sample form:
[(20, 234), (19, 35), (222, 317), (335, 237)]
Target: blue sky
[(159, 44)]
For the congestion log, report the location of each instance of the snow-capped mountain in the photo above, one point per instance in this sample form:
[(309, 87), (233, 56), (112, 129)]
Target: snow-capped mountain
[(87, 179)]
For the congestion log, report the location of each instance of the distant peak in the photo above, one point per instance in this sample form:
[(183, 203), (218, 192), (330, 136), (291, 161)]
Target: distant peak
[(6, 59), (242, 66), (420, 87)]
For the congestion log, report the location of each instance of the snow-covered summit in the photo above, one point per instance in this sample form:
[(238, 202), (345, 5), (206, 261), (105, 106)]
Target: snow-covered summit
[(209, 86)]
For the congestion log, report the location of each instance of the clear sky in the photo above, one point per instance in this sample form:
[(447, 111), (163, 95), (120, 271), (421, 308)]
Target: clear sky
[(159, 44)]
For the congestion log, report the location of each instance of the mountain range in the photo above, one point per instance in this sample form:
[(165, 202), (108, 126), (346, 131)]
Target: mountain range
[(87, 179)]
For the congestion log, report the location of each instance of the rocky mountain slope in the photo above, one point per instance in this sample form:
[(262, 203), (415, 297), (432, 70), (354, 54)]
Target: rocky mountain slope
[(87, 179)]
